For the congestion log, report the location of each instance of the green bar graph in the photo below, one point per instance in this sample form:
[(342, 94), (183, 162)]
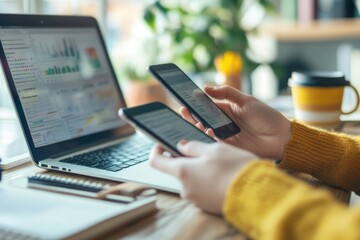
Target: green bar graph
[(56, 70)]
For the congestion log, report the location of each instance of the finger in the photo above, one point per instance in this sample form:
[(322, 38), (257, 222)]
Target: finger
[(155, 151), (159, 150), (226, 92), (200, 126), (187, 115), (165, 164), (192, 148), (210, 132)]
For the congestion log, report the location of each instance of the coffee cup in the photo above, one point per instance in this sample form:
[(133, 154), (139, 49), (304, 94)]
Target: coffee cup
[(318, 97)]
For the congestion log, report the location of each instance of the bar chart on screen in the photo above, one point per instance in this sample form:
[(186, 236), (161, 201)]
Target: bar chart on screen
[(62, 82)]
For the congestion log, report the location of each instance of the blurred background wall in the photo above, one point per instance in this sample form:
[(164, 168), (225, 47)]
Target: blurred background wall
[(273, 37)]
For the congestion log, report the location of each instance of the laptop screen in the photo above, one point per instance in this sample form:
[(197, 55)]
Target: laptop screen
[(62, 80)]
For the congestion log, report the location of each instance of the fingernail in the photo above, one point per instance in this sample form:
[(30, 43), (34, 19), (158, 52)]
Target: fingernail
[(182, 142)]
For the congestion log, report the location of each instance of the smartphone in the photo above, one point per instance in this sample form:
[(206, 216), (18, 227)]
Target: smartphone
[(163, 125), (193, 98)]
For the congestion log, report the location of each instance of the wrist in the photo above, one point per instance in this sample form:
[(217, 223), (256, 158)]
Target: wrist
[(285, 139)]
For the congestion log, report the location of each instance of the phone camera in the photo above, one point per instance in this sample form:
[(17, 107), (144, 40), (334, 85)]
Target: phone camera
[(41, 21)]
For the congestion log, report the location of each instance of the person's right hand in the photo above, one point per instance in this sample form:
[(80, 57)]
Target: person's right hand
[(264, 131), (205, 170)]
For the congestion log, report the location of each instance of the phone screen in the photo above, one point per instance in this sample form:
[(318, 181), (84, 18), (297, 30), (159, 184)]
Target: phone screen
[(170, 127), (195, 100), (165, 125), (195, 97)]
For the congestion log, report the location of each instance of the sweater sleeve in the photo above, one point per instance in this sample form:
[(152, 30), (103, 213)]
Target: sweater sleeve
[(265, 203), (333, 158)]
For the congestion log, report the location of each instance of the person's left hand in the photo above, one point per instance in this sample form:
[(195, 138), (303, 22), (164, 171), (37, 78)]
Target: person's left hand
[(205, 172)]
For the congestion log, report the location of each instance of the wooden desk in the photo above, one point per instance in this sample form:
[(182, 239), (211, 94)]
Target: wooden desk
[(179, 219), (176, 218)]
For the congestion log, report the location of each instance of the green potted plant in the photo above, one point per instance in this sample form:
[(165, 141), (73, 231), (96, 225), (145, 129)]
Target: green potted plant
[(193, 33)]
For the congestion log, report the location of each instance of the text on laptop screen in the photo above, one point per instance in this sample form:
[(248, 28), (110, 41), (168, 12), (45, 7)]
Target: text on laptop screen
[(64, 82)]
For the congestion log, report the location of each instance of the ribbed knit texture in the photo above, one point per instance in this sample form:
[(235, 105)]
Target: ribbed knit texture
[(331, 157), (265, 203)]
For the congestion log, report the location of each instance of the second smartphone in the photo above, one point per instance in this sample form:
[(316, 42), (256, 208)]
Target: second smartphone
[(162, 124), (194, 99)]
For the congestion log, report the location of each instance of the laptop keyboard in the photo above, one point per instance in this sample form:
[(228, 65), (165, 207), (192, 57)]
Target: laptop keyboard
[(115, 158)]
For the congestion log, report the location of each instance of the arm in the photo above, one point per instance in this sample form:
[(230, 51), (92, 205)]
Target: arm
[(266, 203), (256, 196), (331, 157), (261, 200)]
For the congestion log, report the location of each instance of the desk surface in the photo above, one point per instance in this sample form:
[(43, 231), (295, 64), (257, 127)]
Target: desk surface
[(179, 219), (176, 218)]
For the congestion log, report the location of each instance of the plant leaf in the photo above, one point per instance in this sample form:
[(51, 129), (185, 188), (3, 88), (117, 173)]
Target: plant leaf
[(164, 10), (150, 19)]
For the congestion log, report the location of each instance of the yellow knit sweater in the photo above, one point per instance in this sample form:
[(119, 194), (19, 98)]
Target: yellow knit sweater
[(266, 203)]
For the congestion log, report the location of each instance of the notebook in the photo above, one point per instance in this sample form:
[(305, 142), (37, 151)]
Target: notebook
[(32, 214), (67, 97)]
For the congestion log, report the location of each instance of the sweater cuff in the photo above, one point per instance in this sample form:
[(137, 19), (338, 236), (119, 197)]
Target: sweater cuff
[(328, 156), (311, 150), (248, 198)]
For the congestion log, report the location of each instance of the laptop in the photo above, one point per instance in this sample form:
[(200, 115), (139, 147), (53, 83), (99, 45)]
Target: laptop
[(67, 98)]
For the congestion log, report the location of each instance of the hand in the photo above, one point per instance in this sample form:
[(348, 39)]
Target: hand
[(205, 173), (264, 131)]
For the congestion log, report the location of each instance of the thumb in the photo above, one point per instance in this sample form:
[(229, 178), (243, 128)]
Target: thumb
[(227, 93), (192, 148)]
